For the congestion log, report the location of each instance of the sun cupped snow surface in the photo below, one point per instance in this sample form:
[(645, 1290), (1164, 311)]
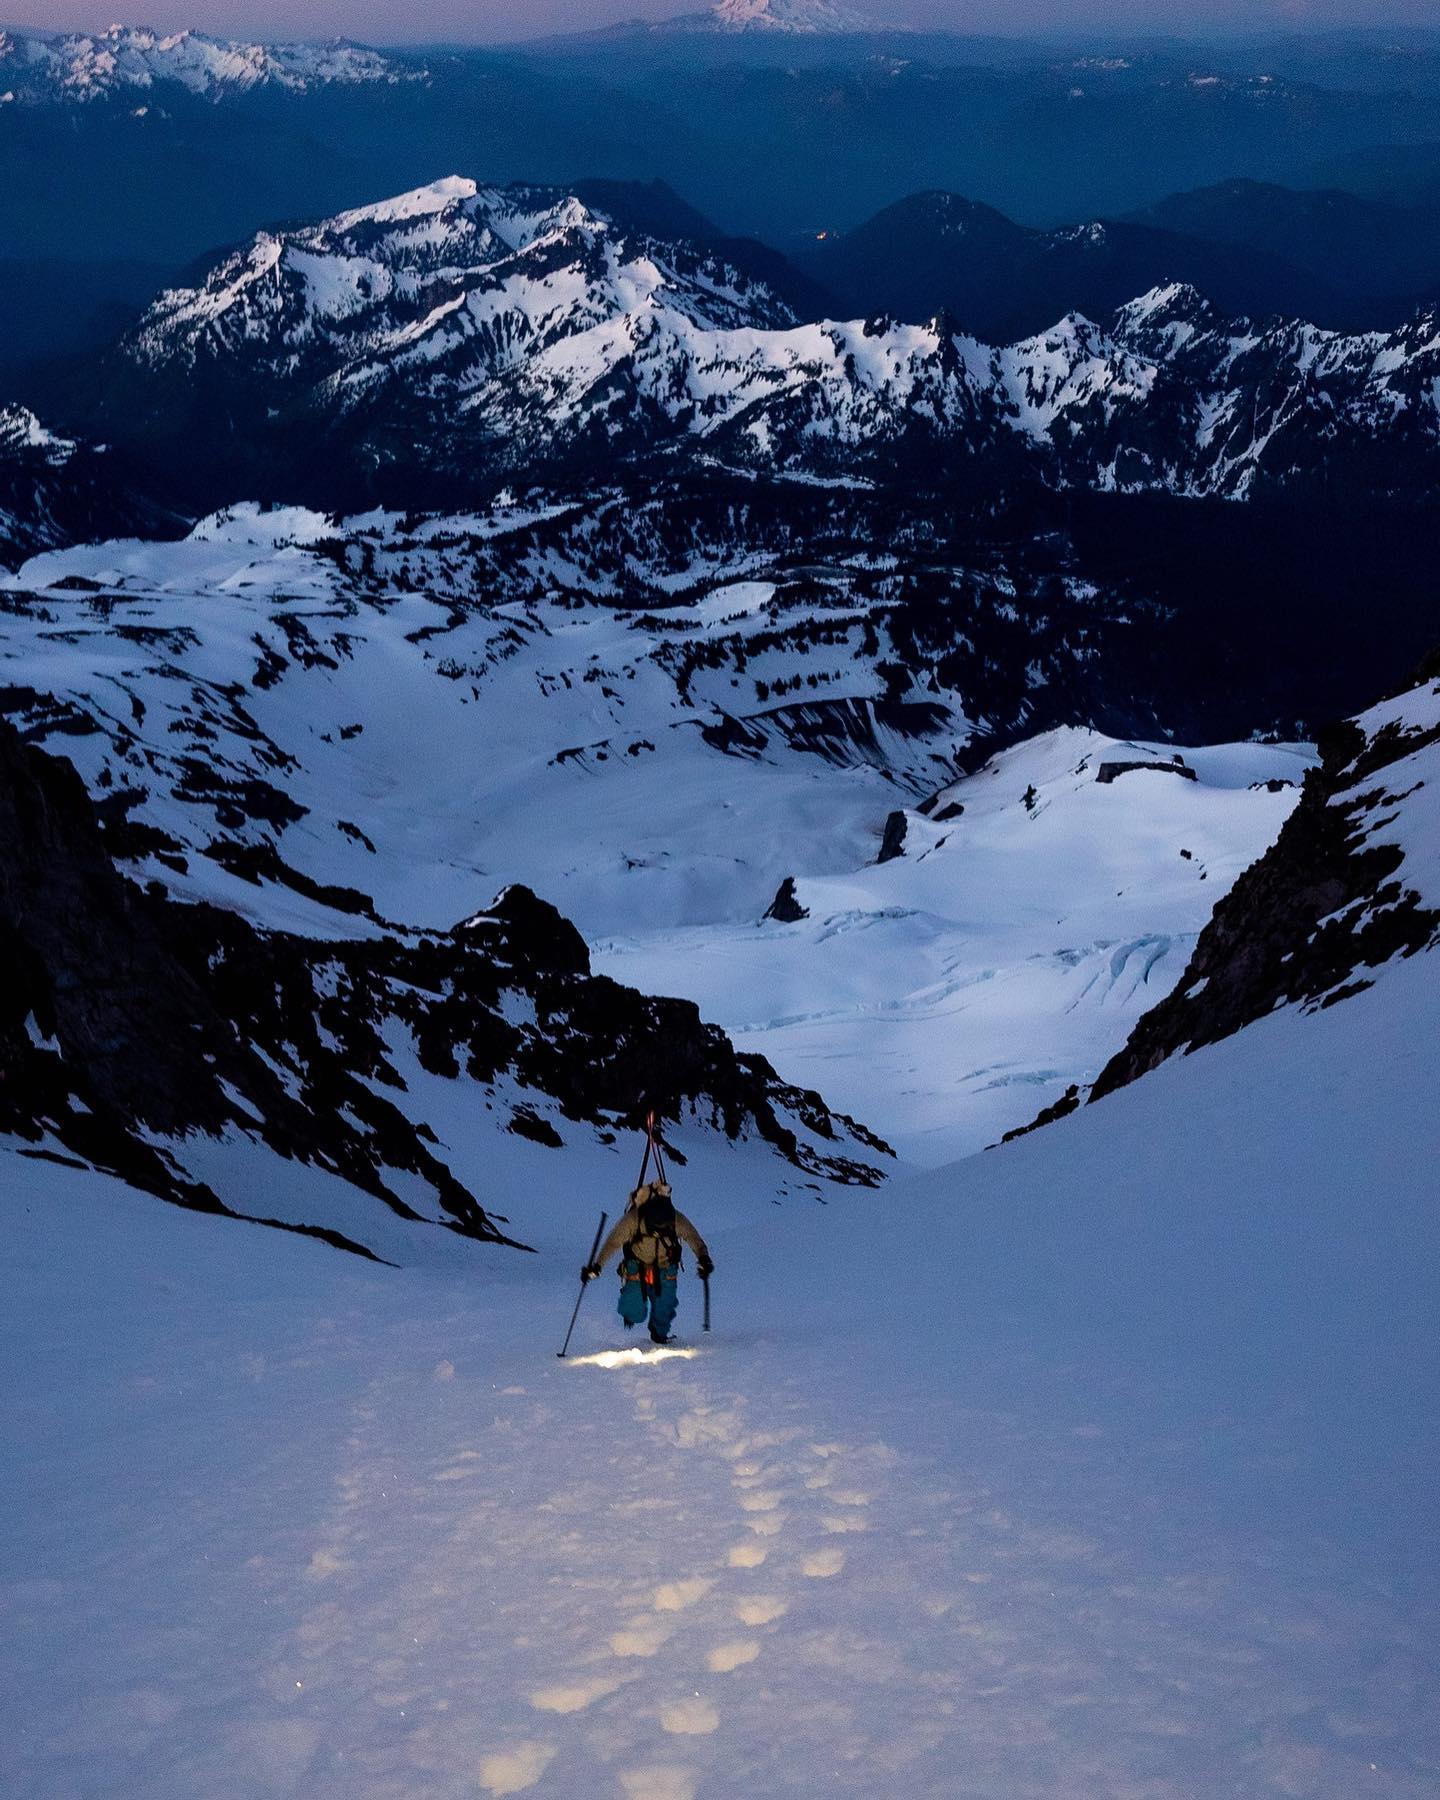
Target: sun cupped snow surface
[(335, 697), (1114, 1475)]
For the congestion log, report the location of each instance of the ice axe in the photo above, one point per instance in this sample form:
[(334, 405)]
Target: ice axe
[(594, 1252)]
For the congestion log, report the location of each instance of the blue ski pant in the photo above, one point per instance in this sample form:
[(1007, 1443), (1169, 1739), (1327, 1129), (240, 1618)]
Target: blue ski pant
[(658, 1296)]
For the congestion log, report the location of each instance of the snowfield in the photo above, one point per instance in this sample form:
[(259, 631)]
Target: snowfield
[(952, 992), (1100, 1464), (416, 735)]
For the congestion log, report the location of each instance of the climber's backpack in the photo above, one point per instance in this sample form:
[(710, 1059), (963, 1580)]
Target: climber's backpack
[(655, 1218)]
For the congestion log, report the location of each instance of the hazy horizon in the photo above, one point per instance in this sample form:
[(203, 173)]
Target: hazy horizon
[(497, 21)]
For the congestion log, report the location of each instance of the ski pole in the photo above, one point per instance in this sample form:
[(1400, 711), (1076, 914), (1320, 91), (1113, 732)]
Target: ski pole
[(705, 1283), (594, 1252)]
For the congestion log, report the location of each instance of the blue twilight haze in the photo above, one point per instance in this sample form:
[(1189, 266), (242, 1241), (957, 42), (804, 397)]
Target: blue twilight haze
[(479, 21)]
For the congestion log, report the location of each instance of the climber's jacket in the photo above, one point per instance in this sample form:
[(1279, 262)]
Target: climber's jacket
[(652, 1248)]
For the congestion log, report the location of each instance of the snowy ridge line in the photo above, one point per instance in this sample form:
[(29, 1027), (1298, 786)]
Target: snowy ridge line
[(50, 67), (21, 430), (501, 328)]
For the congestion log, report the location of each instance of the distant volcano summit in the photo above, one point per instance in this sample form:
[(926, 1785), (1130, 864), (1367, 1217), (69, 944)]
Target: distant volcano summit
[(802, 17)]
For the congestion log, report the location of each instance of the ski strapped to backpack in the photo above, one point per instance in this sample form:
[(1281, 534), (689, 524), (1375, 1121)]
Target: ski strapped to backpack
[(654, 1211), (652, 1148)]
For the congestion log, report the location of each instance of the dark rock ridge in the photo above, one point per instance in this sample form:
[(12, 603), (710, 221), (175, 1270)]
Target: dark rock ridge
[(1323, 906), (130, 1022), (1059, 1109), (1112, 771), (892, 842)]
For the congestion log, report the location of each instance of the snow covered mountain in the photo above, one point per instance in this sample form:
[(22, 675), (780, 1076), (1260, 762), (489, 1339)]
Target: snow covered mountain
[(517, 321), (460, 332), (757, 20), (45, 68), (808, 18), (56, 491)]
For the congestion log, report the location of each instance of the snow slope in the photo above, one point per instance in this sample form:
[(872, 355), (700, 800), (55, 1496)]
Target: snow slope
[(317, 1085), (1114, 1476), (952, 992)]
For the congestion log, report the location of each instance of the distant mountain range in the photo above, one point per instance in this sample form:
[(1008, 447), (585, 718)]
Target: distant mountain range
[(1369, 255), (38, 68), (458, 333), (144, 148), (941, 252)]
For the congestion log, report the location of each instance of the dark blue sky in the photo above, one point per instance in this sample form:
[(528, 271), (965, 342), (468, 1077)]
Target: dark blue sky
[(380, 21)]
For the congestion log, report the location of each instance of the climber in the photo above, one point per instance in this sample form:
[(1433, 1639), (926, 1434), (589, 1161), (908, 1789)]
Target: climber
[(650, 1233)]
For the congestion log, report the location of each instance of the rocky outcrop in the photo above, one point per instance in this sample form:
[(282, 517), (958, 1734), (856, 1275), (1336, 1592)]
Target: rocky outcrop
[(892, 842), (1112, 771), (1331, 901), (1059, 1109), (131, 1022), (785, 908)]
